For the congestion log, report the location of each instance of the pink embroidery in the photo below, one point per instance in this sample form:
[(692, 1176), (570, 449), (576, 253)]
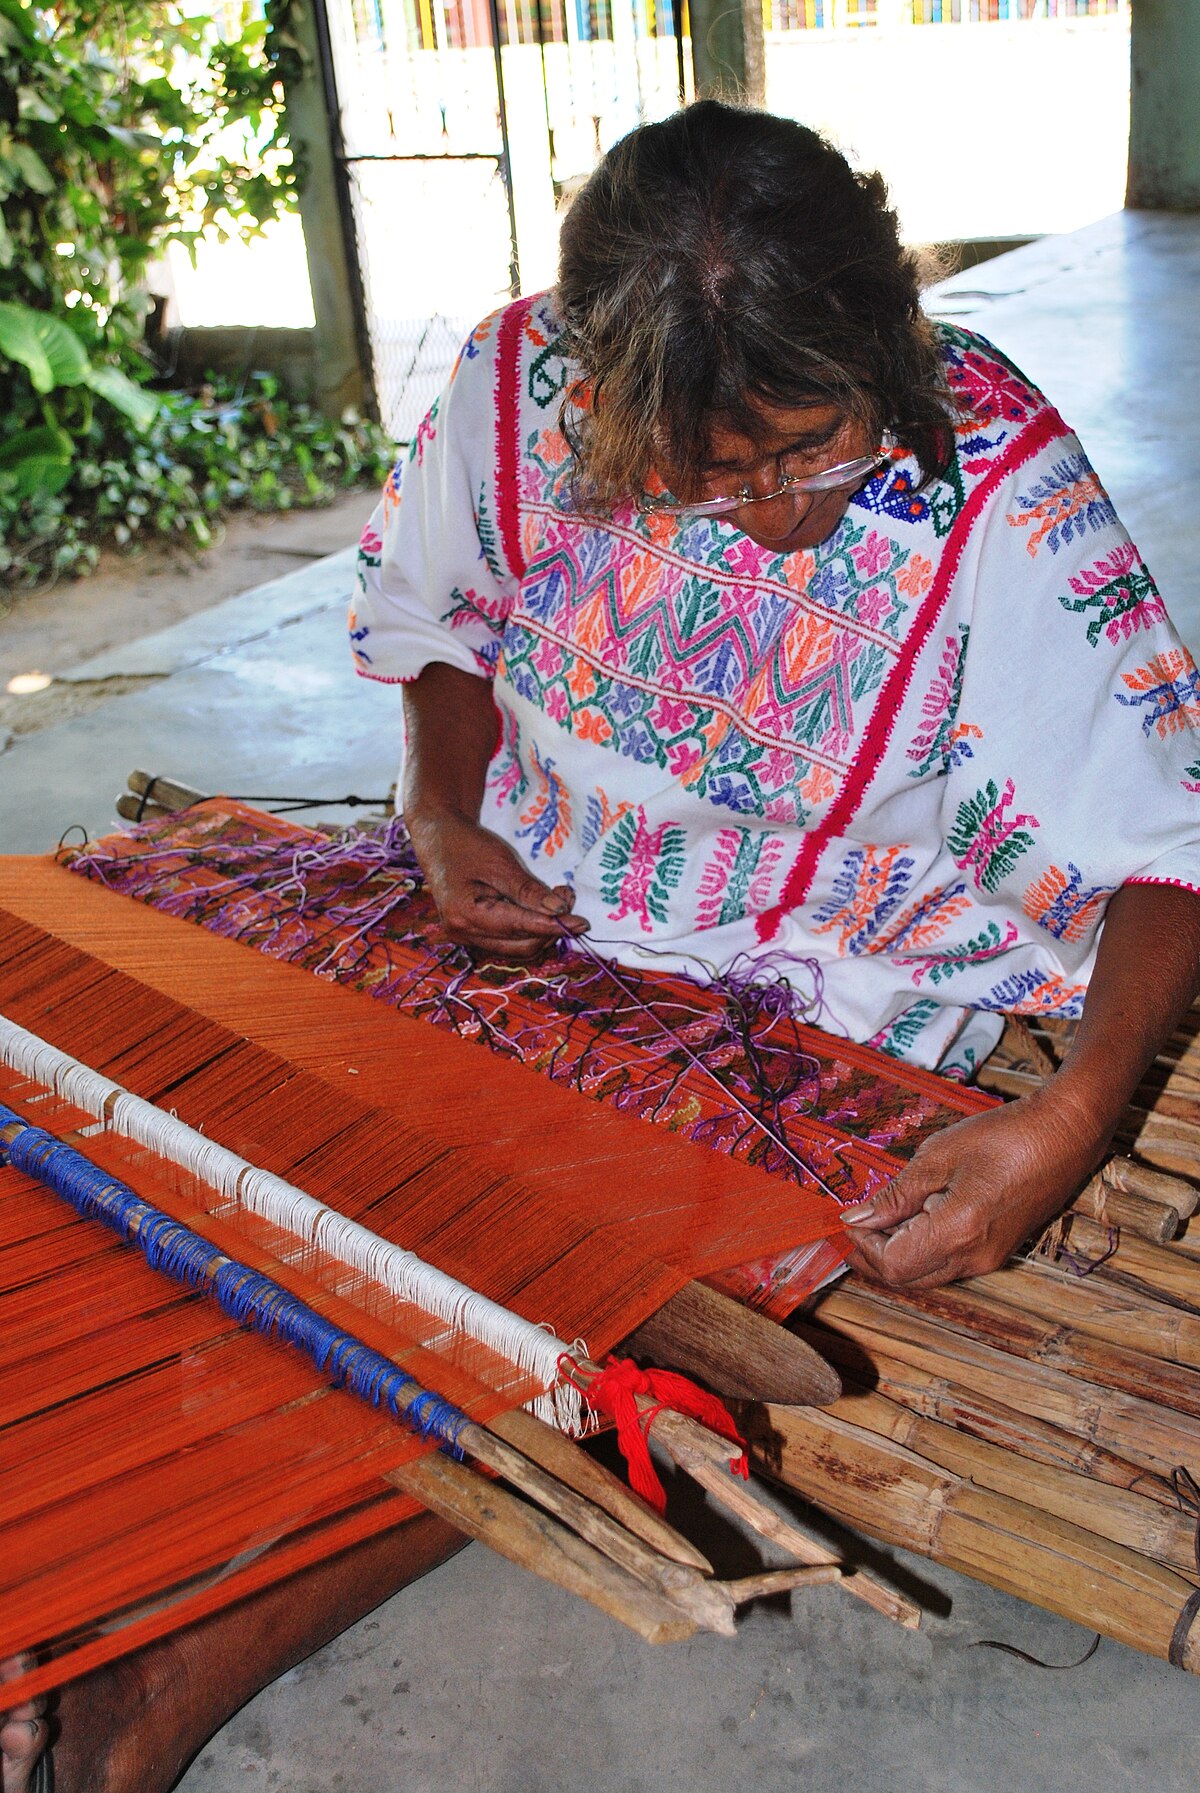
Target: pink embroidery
[(715, 877)]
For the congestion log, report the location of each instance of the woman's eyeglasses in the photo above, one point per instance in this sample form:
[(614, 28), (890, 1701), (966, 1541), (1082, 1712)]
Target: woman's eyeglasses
[(829, 479)]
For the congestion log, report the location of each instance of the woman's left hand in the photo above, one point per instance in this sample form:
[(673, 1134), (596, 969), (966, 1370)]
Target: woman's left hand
[(971, 1194)]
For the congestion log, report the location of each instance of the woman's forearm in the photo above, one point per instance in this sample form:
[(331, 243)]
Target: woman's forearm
[(1147, 973), (450, 719)]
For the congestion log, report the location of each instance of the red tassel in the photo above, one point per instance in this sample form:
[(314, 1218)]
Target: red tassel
[(614, 1393)]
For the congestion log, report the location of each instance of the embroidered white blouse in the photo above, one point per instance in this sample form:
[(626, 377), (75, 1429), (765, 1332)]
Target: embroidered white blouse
[(907, 767)]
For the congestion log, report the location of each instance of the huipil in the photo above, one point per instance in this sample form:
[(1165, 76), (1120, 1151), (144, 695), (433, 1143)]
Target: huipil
[(906, 768)]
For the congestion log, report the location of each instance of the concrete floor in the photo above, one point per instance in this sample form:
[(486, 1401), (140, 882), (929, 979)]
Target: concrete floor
[(479, 1680)]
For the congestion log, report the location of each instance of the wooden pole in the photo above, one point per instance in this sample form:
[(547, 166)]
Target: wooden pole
[(580, 1471), (675, 1436), (735, 1351), (968, 1411), (1095, 1306), (533, 1541), (1019, 1332)]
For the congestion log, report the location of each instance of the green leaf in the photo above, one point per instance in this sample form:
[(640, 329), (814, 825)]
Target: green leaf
[(132, 401), (31, 104), (34, 171), (47, 347), (35, 461), (19, 15)]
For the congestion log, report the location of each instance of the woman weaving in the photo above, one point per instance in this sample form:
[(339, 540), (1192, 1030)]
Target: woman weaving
[(813, 640), (744, 616)]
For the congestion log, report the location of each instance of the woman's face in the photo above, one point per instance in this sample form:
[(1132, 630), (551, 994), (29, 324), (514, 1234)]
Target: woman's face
[(790, 440)]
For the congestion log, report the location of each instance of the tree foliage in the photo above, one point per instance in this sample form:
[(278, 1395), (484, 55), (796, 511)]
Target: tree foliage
[(123, 129)]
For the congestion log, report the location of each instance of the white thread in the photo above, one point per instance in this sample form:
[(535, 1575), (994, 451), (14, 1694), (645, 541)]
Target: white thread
[(532, 1348)]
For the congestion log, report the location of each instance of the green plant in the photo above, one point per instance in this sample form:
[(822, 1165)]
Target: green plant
[(121, 129), (201, 456)]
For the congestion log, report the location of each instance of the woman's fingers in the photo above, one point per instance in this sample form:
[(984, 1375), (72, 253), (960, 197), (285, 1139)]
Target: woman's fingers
[(972, 1194), (23, 1729), (487, 898), (904, 1196), (925, 1249)]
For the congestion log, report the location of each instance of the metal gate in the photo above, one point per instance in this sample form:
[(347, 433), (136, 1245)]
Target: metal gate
[(466, 125)]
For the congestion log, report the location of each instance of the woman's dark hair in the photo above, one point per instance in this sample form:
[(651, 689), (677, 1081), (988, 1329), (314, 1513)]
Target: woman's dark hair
[(724, 257)]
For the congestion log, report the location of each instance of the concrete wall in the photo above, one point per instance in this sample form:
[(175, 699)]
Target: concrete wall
[(1164, 125)]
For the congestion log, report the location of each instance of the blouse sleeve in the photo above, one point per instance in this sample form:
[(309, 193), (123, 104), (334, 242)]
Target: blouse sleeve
[(432, 584), (1076, 763)]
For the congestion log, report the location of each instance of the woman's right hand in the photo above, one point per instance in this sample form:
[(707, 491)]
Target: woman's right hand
[(486, 898)]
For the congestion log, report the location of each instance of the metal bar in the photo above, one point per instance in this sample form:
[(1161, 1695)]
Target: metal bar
[(469, 155)]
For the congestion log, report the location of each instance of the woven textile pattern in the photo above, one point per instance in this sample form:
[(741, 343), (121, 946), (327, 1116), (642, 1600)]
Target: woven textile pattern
[(354, 909)]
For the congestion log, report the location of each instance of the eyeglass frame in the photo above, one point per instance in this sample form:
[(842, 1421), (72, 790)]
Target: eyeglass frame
[(829, 479)]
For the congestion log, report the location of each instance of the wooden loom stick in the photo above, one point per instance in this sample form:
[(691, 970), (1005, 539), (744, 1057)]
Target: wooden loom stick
[(889, 1491), (534, 1541), (167, 793), (678, 1582), (1099, 1200), (735, 1351), (1132, 1178), (676, 1437), (556, 1453)]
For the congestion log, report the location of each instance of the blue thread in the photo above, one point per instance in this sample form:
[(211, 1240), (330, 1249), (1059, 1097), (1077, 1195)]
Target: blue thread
[(244, 1294)]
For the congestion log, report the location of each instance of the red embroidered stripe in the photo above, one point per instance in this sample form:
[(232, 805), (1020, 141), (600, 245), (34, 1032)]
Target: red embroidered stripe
[(508, 433), (1178, 883), (879, 730)]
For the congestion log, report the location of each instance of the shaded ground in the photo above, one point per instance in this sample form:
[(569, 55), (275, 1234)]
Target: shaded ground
[(132, 596)]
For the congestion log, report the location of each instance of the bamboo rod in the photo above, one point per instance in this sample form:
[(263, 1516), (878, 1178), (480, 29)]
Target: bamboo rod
[(1020, 1332), (966, 1410), (1159, 1270), (1146, 1435), (1101, 1308), (890, 1492), (735, 1351), (1114, 1513)]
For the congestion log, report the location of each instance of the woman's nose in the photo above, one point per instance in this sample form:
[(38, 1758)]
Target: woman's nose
[(776, 513)]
